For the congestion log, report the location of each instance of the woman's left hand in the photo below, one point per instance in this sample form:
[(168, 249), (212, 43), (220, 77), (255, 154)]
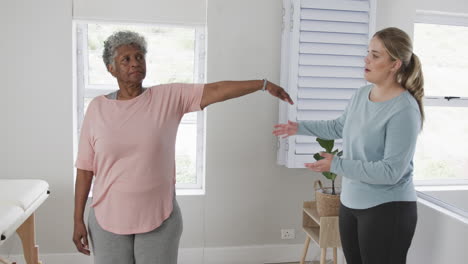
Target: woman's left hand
[(321, 165), (279, 92)]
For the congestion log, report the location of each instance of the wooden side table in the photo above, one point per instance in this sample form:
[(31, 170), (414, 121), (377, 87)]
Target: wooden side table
[(322, 230)]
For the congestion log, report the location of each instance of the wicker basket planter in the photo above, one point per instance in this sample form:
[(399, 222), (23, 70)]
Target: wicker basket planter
[(327, 203)]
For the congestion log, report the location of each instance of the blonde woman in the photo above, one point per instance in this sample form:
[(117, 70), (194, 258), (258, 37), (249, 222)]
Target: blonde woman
[(379, 129)]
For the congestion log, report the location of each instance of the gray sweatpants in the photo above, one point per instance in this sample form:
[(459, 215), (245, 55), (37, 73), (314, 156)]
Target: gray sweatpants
[(159, 246)]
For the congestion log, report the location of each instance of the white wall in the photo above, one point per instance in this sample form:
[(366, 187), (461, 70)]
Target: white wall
[(155, 11), (457, 198), (440, 237), (249, 198), (450, 6), (247, 192), (4, 112), (396, 13), (36, 89), (401, 13)]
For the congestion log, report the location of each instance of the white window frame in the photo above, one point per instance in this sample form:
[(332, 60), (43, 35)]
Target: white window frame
[(451, 19), (85, 90)]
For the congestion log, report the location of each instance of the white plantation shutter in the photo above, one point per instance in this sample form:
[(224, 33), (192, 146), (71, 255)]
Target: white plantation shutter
[(324, 43)]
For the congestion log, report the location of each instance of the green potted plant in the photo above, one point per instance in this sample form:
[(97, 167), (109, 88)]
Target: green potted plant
[(328, 199)]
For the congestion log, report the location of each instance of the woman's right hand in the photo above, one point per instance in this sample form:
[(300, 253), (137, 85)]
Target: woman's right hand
[(80, 238), (285, 130)]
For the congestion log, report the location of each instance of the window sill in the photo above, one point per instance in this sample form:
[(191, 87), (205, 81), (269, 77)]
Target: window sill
[(190, 192), (443, 208), (423, 188)]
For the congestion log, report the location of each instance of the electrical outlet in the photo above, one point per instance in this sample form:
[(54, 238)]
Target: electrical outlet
[(288, 234)]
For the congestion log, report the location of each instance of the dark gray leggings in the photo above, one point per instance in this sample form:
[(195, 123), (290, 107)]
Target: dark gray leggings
[(378, 235), (159, 246)]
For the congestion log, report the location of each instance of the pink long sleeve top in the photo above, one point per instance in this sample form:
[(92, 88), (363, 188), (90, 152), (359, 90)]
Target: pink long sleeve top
[(130, 147)]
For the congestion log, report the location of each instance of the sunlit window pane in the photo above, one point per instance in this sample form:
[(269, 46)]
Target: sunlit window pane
[(441, 152), (443, 51), (186, 147), (170, 57)]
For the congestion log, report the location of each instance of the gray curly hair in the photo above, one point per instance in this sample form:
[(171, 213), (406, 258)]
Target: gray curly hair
[(120, 38)]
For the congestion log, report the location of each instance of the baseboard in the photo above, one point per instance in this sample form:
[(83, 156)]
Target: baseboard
[(257, 254), (217, 255)]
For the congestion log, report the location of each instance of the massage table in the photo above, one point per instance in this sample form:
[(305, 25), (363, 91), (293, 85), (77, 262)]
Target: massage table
[(19, 199)]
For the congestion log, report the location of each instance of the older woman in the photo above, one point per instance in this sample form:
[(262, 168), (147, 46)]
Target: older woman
[(127, 143)]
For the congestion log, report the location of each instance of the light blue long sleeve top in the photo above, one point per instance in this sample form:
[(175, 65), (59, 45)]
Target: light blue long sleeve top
[(379, 140)]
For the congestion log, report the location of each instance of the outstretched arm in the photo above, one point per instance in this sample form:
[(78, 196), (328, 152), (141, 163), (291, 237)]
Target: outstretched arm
[(326, 129), (225, 90), (285, 130), (400, 143)]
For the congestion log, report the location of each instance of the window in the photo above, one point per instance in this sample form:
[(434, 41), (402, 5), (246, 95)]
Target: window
[(441, 42), (175, 54), (324, 44)]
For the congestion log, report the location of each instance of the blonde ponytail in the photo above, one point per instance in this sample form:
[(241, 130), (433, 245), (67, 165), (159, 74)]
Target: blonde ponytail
[(411, 78), (399, 47)]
